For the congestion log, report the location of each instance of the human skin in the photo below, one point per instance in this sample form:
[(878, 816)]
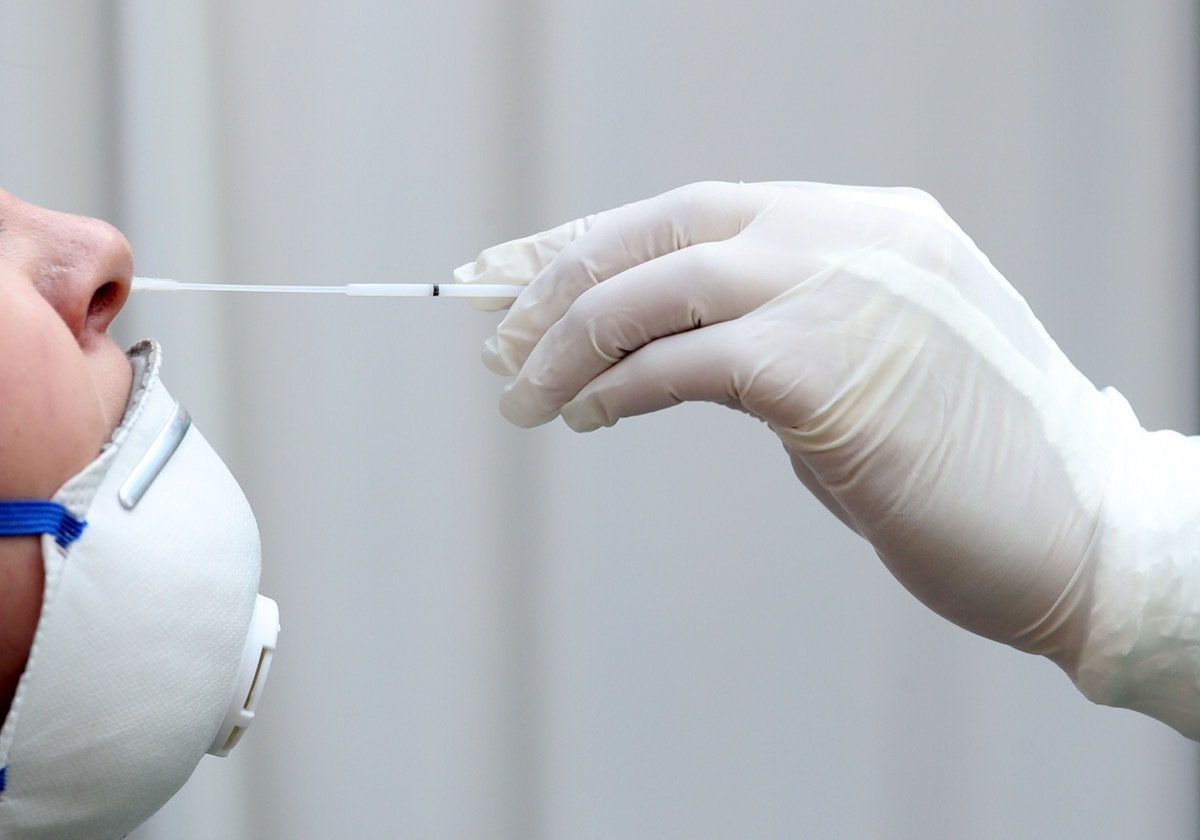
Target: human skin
[(64, 383)]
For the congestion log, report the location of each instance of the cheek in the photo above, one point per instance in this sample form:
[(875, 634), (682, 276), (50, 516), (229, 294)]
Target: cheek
[(21, 583), (52, 422)]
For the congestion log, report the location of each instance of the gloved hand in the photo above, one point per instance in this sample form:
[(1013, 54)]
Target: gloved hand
[(915, 392)]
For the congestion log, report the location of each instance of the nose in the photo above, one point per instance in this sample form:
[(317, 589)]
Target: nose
[(90, 274), (82, 266), (99, 291)]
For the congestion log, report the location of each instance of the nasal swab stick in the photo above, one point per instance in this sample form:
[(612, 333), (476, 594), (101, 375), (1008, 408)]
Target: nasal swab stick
[(462, 290)]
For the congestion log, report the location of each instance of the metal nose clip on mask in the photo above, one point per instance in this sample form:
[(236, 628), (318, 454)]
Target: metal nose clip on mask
[(153, 642)]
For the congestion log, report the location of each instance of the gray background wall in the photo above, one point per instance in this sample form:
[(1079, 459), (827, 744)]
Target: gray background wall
[(651, 630)]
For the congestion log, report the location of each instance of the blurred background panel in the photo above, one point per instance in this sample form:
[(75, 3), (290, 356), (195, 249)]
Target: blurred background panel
[(649, 630)]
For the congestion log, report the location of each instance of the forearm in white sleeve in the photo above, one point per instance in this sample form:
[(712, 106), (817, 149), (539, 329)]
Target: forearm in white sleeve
[(1141, 649)]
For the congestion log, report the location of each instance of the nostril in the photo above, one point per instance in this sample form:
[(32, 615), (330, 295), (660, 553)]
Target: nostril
[(103, 299)]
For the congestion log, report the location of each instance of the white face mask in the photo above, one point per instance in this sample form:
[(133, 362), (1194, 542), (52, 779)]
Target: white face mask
[(152, 645)]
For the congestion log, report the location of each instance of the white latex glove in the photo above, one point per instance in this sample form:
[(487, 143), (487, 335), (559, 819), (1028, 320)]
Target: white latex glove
[(915, 392)]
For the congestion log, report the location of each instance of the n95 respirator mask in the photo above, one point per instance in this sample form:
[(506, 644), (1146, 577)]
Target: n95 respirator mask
[(153, 642)]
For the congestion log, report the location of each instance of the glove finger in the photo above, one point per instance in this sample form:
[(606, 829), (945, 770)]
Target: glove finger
[(677, 293), (616, 241), (519, 260), (701, 365)]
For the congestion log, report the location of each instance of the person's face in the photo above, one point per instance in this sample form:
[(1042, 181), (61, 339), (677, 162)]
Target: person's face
[(63, 382)]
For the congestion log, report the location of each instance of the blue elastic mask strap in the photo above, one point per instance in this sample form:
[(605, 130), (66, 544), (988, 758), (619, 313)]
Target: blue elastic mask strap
[(25, 517)]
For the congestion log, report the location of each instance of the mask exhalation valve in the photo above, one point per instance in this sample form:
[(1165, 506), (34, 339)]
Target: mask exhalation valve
[(252, 675)]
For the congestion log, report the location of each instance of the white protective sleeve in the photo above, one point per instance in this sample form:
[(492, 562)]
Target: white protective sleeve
[(916, 394)]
